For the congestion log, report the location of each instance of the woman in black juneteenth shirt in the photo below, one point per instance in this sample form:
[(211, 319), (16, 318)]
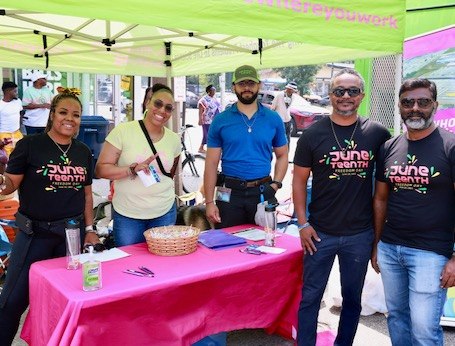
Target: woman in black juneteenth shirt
[(53, 175)]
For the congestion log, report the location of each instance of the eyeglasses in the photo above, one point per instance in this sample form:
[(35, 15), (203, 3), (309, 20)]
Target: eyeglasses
[(422, 103), (246, 83), (339, 92), (168, 108)]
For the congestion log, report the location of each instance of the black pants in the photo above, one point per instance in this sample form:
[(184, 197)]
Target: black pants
[(287, 128), (26, 251), (243, 205)]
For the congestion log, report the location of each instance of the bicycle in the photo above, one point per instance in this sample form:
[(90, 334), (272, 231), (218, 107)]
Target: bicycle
[(192, 166)]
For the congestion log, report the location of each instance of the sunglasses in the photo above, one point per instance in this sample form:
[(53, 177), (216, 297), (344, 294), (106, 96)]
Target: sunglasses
[(168, 108), (422, 103), (339, 92), (246, 83)]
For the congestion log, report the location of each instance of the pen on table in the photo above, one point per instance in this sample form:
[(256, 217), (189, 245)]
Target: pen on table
[(134, 272), (243, 230), (147, 270)]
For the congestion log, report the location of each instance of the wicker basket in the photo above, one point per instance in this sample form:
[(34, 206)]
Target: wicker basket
[(169, 241)]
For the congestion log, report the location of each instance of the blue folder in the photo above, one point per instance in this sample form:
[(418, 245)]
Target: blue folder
[(218, 239)]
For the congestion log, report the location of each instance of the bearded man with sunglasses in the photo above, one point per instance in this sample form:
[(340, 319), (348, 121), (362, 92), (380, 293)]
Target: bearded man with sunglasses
[(414, 212), (339, 151)]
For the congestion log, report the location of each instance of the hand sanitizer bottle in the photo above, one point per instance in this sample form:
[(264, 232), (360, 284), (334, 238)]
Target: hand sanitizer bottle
[(91, 271)]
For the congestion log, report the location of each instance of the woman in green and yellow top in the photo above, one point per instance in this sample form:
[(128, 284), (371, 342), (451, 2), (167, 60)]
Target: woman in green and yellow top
[(125, 153)]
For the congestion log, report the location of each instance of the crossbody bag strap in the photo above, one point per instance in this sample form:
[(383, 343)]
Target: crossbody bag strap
[(160, 164)]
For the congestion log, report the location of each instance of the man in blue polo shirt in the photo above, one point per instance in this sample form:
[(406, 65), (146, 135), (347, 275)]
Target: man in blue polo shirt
[(243, 137)]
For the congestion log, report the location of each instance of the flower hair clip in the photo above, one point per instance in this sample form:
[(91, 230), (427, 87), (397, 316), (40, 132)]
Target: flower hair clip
[(69, 91)]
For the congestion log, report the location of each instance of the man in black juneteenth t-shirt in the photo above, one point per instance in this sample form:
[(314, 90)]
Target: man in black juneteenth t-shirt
[(339, 151), (414, 205)]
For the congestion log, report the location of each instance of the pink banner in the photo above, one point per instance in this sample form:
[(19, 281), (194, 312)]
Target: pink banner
[(445, 118), (429, 43)]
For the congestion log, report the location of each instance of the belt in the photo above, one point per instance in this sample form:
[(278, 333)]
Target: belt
[(236, 183), (28, 225)]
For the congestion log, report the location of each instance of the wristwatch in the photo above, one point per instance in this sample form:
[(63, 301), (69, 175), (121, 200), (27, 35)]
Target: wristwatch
[(279, 184), (90, 229)]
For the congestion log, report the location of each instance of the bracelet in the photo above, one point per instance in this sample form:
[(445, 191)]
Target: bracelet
[(131, 170), (305, 225), (209, 202), (90, 229)]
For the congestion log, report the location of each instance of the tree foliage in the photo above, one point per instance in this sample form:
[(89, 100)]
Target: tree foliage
[(204, 80), (303, 75)]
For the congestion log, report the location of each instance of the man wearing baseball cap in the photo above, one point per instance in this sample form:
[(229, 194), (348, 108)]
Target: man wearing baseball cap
[(281, 104), (243, 137), (37, 102)]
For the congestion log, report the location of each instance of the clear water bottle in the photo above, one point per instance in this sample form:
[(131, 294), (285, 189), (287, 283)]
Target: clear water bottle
[(73, 244), (270, 224)]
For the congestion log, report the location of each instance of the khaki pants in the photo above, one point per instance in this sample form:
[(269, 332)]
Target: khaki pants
[(16, 136)]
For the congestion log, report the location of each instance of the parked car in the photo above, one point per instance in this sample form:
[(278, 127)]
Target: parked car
[(229, 98), (191, 99), (303, 114), (312, 98), (325, 101)]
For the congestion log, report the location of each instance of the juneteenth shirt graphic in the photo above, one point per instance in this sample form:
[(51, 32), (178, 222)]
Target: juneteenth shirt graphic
[(348, 162), (63, 175), (409, 175)]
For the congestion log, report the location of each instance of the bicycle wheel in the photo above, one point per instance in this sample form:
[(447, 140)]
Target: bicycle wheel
[(192, 173)]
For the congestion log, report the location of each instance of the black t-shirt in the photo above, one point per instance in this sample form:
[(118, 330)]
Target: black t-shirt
[(341, 196), (421, 204), (53, 186)]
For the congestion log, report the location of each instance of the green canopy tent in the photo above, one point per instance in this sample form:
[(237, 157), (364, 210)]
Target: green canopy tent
[(176, 38)]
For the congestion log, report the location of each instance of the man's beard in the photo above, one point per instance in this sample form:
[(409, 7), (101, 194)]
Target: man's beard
[(347, 113), (247, 101), (421, 123)]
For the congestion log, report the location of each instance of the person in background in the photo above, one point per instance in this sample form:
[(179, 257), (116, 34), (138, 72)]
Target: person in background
[(10, 117), (414, 216), (148, 94), (53, 173), (36, 101), (281, 104), (208, 107), (340, 152), (244, 137), (127, 152)]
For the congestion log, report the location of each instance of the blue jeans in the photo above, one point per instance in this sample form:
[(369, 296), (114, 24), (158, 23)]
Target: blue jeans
[(354, 253), (413, 294), (129, 231)]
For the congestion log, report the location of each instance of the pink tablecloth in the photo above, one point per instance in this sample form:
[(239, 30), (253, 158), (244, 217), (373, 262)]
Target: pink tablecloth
[(190, 297)]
